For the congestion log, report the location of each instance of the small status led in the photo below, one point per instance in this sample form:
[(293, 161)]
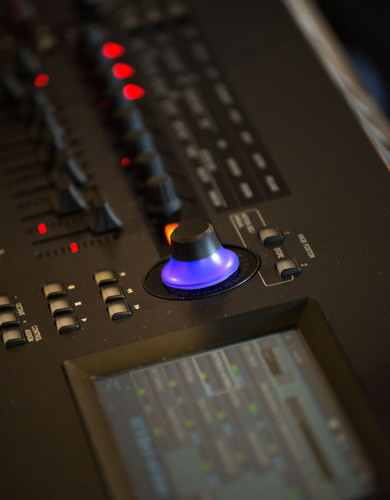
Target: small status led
[(125, 162), (168, 230), (41, 80), (122, 70), (133, 92), (112, 50), (73, 247), (42, 228)]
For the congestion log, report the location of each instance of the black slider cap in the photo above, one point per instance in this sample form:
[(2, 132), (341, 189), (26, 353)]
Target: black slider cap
[(139, 141), (76, 172), (194, 240), (71, 202), (106, 220)]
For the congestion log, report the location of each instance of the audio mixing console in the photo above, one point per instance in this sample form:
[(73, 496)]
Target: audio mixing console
[(194, 278)]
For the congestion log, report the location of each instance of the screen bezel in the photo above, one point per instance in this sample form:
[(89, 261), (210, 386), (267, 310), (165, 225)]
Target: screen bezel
[(303, 315)]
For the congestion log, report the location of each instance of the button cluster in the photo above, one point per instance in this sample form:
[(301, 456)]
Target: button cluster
[(272, 238), (115, 84), (112, 294), (60, 307), (11, 332)]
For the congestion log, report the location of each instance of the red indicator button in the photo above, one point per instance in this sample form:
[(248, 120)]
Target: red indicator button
[(168, 230), (125, 162), (112, 50), (122, 70), (133, 92), (42, 228), (41, 80), (73, 247)]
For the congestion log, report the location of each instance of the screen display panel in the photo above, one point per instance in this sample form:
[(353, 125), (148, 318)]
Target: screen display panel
[(256, 419)]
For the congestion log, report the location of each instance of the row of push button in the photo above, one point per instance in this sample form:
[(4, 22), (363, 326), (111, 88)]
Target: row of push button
[(11, 332), (286, 266), (60, 308), (112, 294)]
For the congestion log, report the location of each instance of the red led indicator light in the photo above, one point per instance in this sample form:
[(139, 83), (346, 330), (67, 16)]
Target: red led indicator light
[(125, 162), (112, 50), (73, 247), (122, 70), (41, 80), (168, 230), (42, 228), (133, 92)]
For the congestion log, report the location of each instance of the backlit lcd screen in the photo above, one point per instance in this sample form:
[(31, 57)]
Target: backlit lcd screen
[(252, 420)]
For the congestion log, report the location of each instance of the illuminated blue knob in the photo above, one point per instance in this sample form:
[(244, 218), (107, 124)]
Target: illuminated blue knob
[(198, 259)]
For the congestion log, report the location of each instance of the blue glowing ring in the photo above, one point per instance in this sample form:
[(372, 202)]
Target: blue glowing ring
[(200, 273)]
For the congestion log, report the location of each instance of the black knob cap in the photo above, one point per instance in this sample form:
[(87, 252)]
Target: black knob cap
[(71, 201), (148, 164), (138, 142), (129, 119), (194, 240), (198, 259), (161, 197), (106, 220), (75, 170)]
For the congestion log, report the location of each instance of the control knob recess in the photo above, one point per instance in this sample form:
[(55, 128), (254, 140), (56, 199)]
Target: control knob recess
[(198, 259)]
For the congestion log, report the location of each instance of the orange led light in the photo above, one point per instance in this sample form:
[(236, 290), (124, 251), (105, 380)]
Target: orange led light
[(168, 230)]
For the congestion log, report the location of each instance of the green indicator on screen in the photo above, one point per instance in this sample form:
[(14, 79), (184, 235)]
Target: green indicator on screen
[(158, 432), (272, 448), (240, 457), (254, 409)]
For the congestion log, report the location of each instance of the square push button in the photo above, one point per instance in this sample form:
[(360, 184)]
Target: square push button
[(13, 337), (119, 310), (54, 290), (287, 267), (8, 319), (271, 236), (105, 277), (60, 306), (112, 294), (5, 303), (66, 324)]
